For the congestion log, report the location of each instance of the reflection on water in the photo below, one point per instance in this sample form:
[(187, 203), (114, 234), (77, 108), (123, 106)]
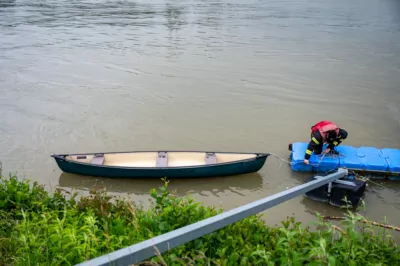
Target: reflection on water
[(235, 184)]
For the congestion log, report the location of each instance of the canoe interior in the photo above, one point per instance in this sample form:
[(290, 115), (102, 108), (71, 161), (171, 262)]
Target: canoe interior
[(159, 159)]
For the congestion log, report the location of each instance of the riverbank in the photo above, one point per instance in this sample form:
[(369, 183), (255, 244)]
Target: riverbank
[(42, 228)]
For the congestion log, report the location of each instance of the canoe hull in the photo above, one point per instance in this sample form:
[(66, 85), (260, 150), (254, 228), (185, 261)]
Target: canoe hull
[(223, 169)]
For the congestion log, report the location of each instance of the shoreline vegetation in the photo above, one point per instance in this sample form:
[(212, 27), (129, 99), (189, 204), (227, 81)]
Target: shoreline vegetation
[(42, 228)]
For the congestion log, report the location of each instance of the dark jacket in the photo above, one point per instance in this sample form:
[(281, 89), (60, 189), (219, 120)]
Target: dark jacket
[(316, 143)]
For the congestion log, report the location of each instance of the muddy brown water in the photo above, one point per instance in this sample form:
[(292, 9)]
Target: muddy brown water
[(89, 76)]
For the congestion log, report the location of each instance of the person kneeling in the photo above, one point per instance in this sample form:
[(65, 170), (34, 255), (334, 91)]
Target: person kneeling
[(321, 133)]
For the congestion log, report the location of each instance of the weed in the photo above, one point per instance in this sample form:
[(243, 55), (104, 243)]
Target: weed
[(39, 228)]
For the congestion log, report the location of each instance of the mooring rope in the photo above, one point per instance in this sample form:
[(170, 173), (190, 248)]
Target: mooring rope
[(294, 163), (366, 179)]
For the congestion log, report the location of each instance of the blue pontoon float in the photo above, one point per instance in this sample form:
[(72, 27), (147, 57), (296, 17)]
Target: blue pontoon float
[(377, 163)]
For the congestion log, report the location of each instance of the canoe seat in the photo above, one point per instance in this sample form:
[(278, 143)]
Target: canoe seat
[(162, 160), (98, 159), (211, 158)]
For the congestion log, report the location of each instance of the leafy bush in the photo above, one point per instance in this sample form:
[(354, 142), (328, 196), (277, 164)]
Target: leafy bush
[(39, 228)]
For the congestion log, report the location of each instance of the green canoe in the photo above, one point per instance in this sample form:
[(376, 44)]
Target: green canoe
[(158, 164)]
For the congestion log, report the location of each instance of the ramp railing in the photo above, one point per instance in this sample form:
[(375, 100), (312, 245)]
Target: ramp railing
[(159, 244)]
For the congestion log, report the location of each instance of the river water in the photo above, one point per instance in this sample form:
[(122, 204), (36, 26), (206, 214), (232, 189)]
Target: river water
[(89, 76)]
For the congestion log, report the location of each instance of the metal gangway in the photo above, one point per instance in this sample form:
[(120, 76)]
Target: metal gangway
[(159, 244)]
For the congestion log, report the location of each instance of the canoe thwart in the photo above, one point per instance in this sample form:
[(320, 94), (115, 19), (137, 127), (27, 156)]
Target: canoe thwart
[(98, 159), (211, 158), (162, 160)]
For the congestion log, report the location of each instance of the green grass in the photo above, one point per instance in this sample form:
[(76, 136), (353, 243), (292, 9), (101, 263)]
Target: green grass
[(40, 228)]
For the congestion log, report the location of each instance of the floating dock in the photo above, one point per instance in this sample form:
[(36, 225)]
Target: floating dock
[(378, 163)]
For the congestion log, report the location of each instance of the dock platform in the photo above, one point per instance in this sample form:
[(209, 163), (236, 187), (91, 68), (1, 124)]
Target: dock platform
[(379, 163)]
